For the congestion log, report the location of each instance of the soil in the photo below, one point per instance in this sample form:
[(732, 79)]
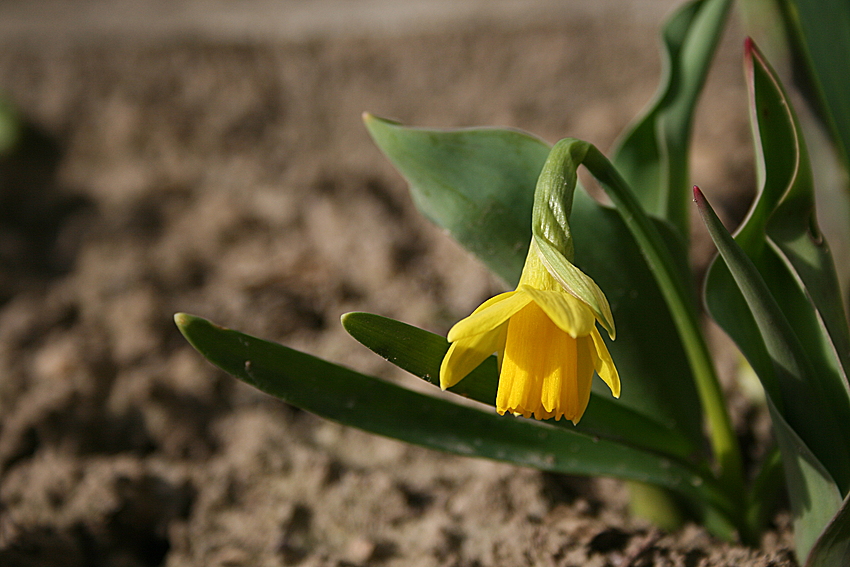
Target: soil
[(233, 180)]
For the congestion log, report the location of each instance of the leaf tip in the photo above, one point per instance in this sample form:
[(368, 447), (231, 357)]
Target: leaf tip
[(752, 54), (345, 318), (749, 46), (182, 320), (699, 198)]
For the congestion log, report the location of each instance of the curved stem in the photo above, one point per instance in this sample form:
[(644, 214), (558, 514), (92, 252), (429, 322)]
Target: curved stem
[(676, 293)]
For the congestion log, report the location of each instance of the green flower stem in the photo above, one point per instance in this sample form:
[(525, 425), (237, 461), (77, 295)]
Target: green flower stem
[(676, 293)]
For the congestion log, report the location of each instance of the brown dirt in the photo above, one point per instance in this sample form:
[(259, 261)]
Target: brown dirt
[(234, 181)]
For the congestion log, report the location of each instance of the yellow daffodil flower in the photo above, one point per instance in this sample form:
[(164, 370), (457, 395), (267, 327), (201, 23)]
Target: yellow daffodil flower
[(547, 344)]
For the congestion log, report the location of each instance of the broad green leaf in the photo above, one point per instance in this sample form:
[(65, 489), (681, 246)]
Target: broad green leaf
[(380, 407), (420, 352), (648, 352), (653, 155), (814, 496), (780, 237), (476, 183), (832, 548), (811, 454), (823, 44)]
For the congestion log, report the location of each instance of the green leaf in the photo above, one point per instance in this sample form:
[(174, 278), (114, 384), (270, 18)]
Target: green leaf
[(809, 42), (781, 239), (420, 352), (380, 407), (814, 496), (785, 213), (824, 38), (805, 429), (653, 155), (476, 183), (832, 548)]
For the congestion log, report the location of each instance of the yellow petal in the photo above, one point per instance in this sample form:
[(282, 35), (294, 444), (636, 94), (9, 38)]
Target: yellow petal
[(604, 365), (559, 385), (519, 382), (539, 372), (489, 315), (465, 355), (586, 358), (571, 315)]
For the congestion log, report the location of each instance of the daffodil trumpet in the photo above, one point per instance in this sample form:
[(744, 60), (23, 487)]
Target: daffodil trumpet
[(544, 332)]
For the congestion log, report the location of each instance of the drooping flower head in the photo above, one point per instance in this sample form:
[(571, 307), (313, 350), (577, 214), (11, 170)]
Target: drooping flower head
[(544, 332)]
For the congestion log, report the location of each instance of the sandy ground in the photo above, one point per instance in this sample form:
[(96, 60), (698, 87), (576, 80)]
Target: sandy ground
[(226, 174)]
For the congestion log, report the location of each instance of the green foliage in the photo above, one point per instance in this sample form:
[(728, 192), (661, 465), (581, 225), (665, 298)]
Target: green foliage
[(653, 154), (815, 496), (833, 545), (419, 352), (780, 237), (776, 294), (651, 355), (476, 183), (822, 28), (377, 406)]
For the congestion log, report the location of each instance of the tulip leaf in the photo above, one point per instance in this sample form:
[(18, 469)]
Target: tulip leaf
[(476, 183), (420, 352), (648, 351), (653, 155), (790, 258), (815, 498), (833, 545), (811, 454), (384, 408), (823, 28)]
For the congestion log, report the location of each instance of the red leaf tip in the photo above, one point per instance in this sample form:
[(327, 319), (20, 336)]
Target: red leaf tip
[(698, 196)]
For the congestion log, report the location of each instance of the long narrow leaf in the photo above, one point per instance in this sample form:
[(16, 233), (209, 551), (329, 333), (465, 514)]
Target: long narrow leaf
[(788, 204), (806, 430), (780, 238), (419, 352), (380, 407)]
